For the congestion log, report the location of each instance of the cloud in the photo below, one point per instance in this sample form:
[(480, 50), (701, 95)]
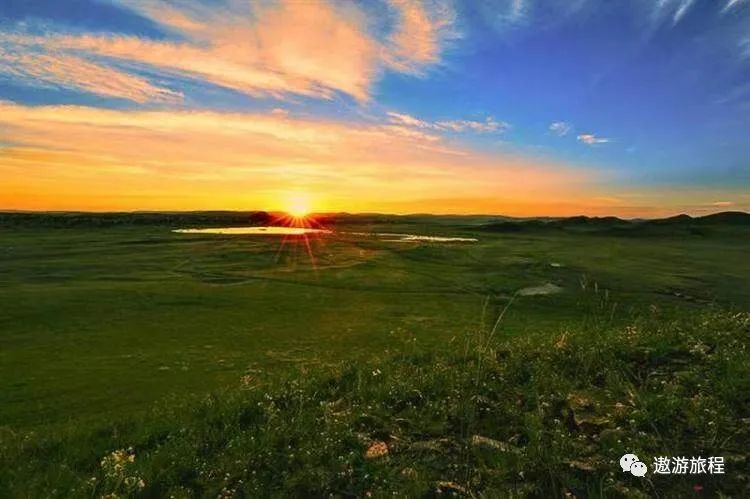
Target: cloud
[(731, 4), (511, 15), (518, 8), (673, 10), (737, 93), (560, 128), (53, 70), (407, 120), (682, 10), (722, 203), (270, 48), (514, 12), (591, 140), (420, 34), (489, 125), (64, 157)]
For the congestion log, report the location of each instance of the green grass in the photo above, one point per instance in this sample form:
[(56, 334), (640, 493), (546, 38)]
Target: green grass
[(97, 322), (538, 416), (135, 336)]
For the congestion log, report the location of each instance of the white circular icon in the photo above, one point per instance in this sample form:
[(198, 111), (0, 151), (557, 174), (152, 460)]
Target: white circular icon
[(630, 462), (627, 461), (638, 469)]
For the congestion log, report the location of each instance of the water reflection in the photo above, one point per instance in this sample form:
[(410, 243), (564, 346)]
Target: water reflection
[(303, 231), (258, 231), (408, 238)]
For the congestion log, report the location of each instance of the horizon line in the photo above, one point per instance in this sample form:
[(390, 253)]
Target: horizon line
[(466, 215)]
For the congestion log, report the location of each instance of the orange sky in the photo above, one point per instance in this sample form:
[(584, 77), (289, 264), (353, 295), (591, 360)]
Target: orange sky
[(85, 158), (139, 140), (96, 159)]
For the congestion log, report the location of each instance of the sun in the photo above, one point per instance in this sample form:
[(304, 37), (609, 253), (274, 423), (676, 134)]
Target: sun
[(298, 205)]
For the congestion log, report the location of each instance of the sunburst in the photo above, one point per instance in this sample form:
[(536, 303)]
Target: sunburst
[(298, 213)]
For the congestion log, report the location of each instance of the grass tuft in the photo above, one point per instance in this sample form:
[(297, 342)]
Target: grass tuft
[(525, 416)]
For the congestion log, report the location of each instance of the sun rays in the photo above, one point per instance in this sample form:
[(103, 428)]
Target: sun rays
[(298, 213)]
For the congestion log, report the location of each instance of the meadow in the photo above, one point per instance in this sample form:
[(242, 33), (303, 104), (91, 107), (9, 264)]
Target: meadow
[(196, 348)]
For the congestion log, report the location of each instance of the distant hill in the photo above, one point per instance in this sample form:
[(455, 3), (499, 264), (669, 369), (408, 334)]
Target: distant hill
[(675, 220), (726, 218), (223, 219), (82, 219), (577, 222), (613, 225), (591, 221), (487, 223)]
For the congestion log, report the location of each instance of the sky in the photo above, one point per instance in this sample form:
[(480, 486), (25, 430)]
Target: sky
[(635, 108)]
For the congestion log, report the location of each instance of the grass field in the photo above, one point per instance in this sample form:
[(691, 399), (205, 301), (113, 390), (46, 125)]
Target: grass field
[(100, 327)]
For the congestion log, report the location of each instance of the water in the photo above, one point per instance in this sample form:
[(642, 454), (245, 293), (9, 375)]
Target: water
[(256, 231), (413, 238), (301, 231)]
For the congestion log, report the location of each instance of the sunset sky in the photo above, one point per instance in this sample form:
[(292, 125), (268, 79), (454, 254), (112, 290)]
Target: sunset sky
[(635, 108)]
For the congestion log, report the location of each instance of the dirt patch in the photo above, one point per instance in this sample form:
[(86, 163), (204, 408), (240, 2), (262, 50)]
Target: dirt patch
[(544, 289)]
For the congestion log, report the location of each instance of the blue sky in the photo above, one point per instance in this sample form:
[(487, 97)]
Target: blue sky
[(673, 96), (641, 98)]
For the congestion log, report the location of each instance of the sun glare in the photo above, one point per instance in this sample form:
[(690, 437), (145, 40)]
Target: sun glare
[(298, 205)]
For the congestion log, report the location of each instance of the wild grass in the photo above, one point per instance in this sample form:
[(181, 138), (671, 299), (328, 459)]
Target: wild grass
[(98, 323), (484, 416)]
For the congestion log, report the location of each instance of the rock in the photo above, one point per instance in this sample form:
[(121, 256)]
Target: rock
[(584, 416), (436, 445), (377, 448), (590, 420), (443, 487), (489, 443), (582, 465), (545, 289), (410, 472)]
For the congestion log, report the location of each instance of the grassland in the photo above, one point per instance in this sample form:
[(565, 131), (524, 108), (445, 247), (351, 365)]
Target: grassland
[(112, 337)]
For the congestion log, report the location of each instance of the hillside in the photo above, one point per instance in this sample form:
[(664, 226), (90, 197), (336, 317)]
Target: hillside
[(535, 416), (617, 226), (238, 218)]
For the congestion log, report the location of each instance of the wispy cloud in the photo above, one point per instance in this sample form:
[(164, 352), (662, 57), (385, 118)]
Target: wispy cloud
[(518, 9), (222, 159), (732, 3), (421, 32), (285, 47), (744, 47), (513, 14), (735, 94), (682, 9), (669, 10), (560, 128), (59, 70), (591, 140), (407, 120), (488, 125)]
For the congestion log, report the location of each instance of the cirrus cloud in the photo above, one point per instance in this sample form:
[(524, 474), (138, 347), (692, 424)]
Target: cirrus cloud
[(488, 125), (560, 128), (314, 49), (591, 140), (57, 157)]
